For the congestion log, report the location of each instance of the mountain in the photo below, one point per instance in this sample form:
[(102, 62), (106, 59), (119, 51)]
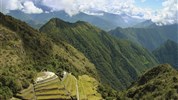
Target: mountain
[(145, 24), (168, 53), (159, 83), (118, 62), (25, 51), (150, 38), (104, 21)]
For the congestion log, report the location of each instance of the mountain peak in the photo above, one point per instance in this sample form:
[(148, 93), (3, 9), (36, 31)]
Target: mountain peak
[(61, 24)]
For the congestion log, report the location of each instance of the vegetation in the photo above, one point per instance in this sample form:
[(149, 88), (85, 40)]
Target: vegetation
[(118, 62), (167, 53), (158, 83)]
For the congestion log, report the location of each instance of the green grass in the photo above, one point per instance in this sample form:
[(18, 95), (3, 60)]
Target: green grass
[(57, 85), (52, 92), (88, 88), (70, 84), (53, 97)]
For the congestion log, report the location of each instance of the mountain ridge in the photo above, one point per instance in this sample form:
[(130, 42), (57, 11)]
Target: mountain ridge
[(103, 50)]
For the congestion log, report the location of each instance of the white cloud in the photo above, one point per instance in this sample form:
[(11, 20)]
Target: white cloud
[(166, 15), (7, 5), (169, 13), (26, 6), (29, 7)]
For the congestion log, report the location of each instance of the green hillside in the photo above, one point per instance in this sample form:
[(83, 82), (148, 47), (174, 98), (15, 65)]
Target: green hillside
[(25, 51), (167, 53), (150, 38), (159, 83), (118, 62)]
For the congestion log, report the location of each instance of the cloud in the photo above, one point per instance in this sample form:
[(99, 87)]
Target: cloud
[(166, 15), (10, 5), (169, 13), (29, 7), (26, 6)]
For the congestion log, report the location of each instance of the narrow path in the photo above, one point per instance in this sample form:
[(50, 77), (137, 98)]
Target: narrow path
[(78, 98), (33, 88)]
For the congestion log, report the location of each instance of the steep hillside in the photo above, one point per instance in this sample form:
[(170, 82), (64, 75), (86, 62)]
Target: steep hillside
[(118, 62), (25, 51), (150, 38), (158, 83), (167, 53)]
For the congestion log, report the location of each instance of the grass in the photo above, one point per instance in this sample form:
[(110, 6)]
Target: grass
[(88, 88), (52, 92), (57, 97), (70, 84)]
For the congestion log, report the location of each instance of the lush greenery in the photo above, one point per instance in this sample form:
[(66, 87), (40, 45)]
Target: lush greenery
[(118, 62), (158, 83), (150, 37), (167, 53), (25, 51)]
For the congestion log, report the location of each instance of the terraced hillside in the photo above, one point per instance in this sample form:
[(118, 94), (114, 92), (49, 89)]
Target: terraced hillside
[(48, 86)]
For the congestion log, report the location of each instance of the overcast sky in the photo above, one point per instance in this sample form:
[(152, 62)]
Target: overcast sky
[(160, 11)]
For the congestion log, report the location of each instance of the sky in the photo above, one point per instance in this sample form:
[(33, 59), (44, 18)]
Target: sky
[(162, 12), (153, 4)]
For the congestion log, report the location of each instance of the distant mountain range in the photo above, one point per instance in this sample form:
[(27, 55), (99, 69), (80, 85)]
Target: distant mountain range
[(107, 21), (145, 24), (150, 37)]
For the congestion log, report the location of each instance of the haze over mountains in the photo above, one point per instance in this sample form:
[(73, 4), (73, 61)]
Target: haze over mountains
[(104, 21)]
